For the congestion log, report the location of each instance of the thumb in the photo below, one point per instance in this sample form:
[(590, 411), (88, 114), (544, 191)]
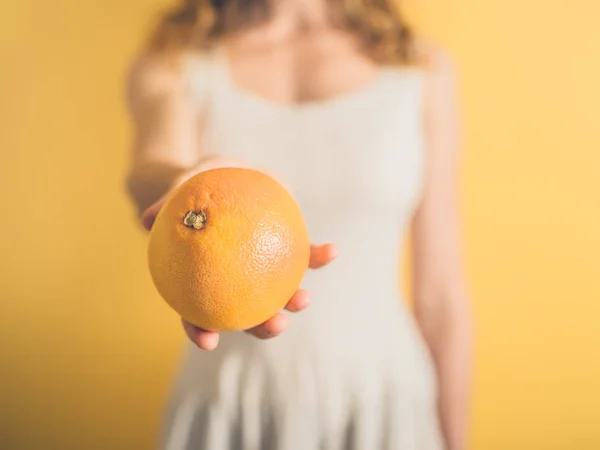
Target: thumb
[(321, 255), (149, 215)]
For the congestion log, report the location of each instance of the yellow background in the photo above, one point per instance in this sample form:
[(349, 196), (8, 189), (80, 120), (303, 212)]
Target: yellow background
[(88, 349)]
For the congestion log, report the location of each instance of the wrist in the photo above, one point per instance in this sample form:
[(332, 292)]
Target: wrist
[(208, 163)]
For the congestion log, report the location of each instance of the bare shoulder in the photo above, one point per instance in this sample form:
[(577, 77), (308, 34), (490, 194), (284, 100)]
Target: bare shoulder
[(151, 76), (440, 83), (441, 109), (435, 59)]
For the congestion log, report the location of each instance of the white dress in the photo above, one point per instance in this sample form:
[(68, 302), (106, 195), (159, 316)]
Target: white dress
[(352, 372)]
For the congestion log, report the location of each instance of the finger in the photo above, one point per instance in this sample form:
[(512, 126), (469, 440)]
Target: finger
[(205, 340), (149, 215), (271, 328), (299, 301), (321, 255)]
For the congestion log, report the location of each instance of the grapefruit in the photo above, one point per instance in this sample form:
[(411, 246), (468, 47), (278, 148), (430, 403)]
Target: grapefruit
[(228, 249)]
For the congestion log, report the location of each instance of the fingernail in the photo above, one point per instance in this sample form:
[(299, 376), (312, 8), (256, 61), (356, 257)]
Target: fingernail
[(307, 301), (212, 343)]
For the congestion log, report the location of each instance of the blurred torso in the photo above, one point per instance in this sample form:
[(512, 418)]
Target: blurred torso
[(345, 135)]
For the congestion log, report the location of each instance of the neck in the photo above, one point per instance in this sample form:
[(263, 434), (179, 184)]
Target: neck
[(300, 14), (287, 19)]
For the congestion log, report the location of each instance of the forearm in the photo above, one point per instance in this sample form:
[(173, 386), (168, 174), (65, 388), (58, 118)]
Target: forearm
[(449, 339), (148, 181)]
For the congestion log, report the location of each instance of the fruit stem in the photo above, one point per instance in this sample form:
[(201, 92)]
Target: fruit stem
[(195, 220)]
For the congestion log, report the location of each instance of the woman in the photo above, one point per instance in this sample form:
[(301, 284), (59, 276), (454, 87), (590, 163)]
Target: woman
[(358, 119)]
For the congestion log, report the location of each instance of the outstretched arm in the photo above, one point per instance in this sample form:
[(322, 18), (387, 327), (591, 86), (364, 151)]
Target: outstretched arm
[(166, 152), (167, 126)]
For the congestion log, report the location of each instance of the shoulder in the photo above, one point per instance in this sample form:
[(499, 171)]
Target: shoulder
[(155, 76), (439, 79), (434, 59), (433, 71)]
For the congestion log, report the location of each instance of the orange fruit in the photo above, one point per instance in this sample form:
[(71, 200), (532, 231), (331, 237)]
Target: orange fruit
[(228, 249)]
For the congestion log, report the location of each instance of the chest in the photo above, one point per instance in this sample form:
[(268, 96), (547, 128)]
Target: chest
[(305, 70), (363, 149)]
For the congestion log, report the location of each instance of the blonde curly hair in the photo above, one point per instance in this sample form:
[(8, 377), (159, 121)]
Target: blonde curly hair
[(202, 23)]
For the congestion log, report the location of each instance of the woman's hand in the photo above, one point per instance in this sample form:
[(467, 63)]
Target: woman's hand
[(320, 256)]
